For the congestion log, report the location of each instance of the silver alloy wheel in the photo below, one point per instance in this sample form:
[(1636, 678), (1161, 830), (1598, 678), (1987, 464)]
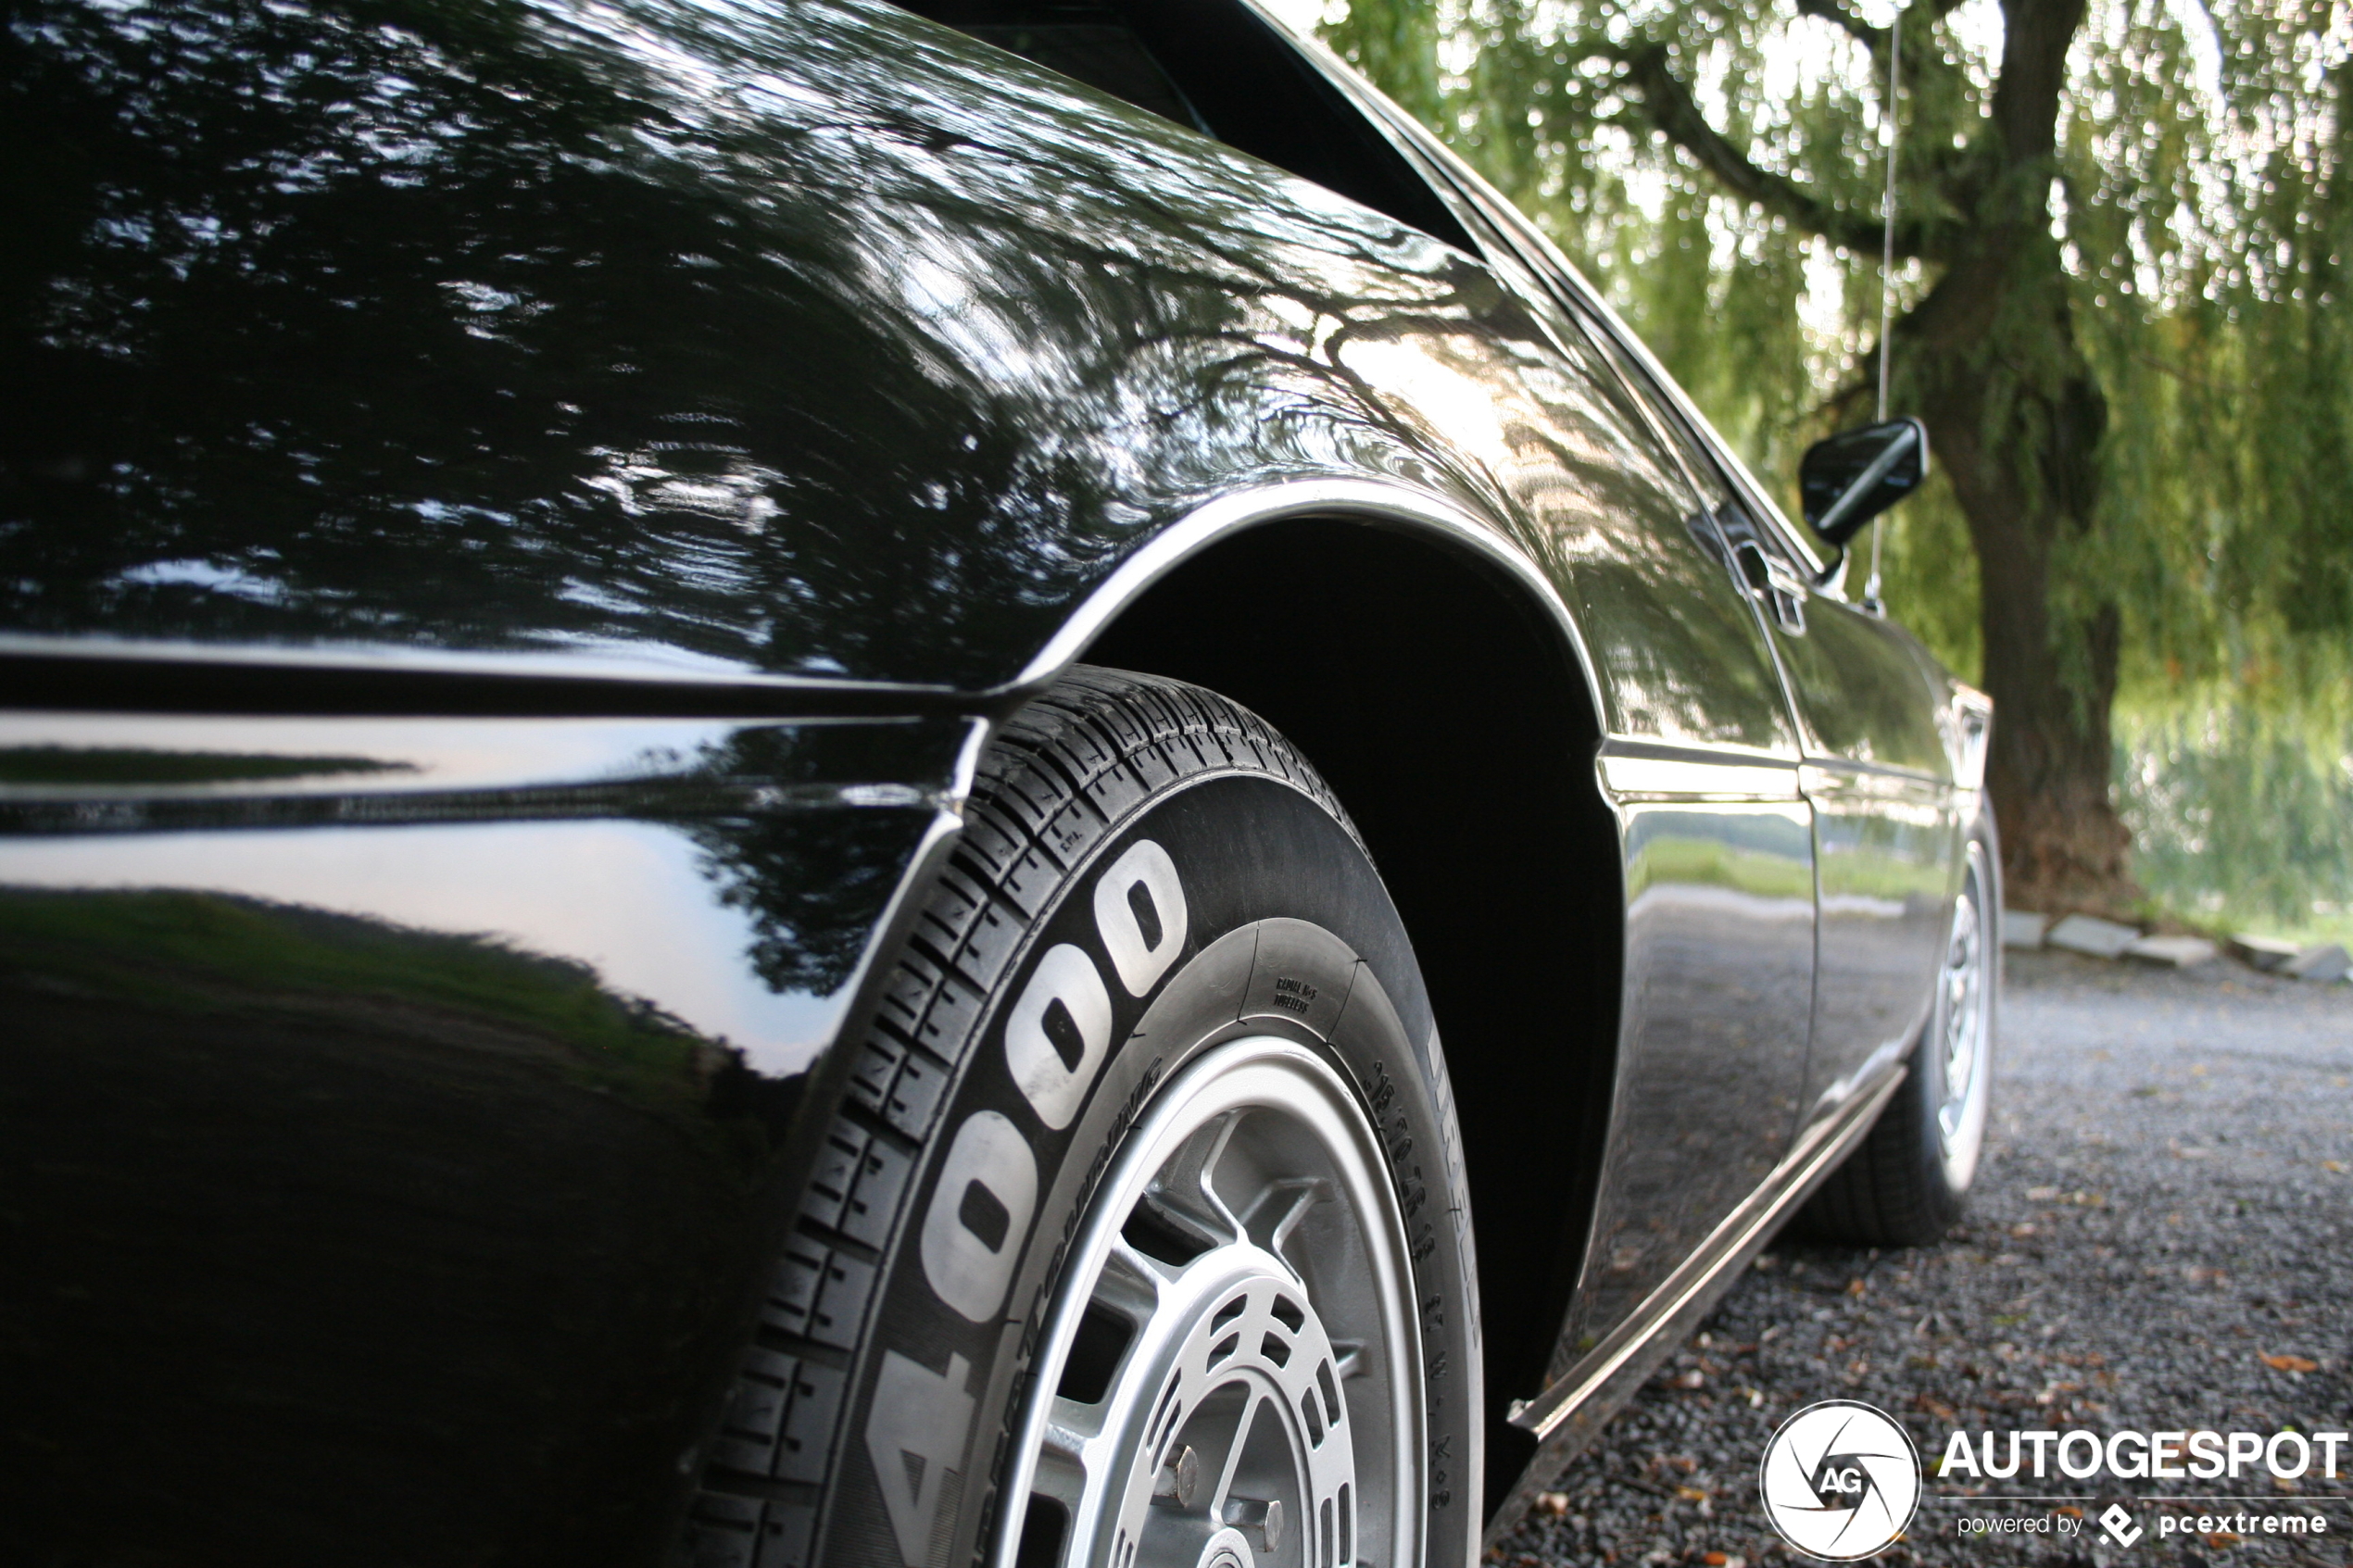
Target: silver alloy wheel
[(1965, 1013), (1229, 1375)]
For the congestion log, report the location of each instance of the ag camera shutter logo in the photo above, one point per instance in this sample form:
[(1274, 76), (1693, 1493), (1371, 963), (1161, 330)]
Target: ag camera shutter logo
[(1840, 1480)]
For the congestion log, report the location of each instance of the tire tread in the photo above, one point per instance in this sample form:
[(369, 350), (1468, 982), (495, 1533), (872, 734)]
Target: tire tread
[(1060, 776)]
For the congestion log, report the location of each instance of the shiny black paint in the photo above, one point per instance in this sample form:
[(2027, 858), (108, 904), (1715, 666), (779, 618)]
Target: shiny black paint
[(1834, 466), (1888, 819), (825, 342), (700, 347), (399, 1115)]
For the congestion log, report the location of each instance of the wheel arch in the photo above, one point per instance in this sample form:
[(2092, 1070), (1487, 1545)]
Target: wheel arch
[(1435, 679)]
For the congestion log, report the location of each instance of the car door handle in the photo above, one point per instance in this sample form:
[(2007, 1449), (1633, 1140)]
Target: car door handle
[(1773, 585)]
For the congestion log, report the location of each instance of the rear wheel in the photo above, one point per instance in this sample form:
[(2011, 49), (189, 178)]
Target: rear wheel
[(1143, 1237), (1907, 1184)]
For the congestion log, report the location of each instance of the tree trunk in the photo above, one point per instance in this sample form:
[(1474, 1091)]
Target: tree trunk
[(2015, 416), (2021, 461)]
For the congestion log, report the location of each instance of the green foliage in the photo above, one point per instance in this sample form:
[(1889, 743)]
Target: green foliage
[(2243, 818), (2211, 222)]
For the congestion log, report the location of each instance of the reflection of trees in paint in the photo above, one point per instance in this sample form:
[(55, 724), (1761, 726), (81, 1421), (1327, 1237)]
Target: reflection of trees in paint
[(181, 952), (813, 339), (736, 332), (815, 884), (812, 892)]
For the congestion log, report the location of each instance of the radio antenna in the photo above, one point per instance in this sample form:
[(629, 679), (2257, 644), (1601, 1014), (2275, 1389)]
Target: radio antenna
[(1886, 275)]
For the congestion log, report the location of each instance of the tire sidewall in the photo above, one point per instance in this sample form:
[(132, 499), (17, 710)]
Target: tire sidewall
[(1945, 1199), (1286, 931)]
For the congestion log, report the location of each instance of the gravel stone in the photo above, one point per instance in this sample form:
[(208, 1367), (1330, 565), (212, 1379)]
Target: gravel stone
[(2166, 1201)]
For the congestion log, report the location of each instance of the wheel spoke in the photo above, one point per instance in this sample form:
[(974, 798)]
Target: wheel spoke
[(1130, 1283), (1184, 1192), (1071, 1425), (1061, 1476), (1276, 1212), (1219, 1416), (1232, 1458)]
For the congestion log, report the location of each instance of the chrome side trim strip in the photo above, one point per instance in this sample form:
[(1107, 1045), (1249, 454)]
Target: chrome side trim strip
[(1367, 501), (1634, 770), (1567, 1416), (126, 674)]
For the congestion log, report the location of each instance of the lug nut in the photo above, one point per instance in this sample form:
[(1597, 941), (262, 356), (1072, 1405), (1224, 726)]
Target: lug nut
[(1179, 1479), (1264, 1520)]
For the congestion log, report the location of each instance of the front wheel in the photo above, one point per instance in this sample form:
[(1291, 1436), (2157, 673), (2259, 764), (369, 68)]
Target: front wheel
[(1907, 1181), (1148, 1241)]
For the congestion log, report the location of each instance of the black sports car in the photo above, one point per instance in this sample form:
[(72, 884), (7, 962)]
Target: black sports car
[(750, 749)]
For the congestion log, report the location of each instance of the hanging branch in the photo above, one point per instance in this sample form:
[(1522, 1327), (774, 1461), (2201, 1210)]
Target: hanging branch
[(1673, 110)]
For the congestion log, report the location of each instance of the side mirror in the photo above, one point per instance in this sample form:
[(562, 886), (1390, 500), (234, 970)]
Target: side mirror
[(1850, 478)]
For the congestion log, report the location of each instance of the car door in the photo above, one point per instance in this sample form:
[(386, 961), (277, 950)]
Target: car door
[(1700, 762), (1887, 839), (1877, 773)]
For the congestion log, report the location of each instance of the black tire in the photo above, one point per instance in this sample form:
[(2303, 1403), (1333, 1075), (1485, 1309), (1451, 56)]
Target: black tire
[(874, 1425), (1909, 1182)]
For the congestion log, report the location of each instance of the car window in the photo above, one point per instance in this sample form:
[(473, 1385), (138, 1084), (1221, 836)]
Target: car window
[(1218, 68)]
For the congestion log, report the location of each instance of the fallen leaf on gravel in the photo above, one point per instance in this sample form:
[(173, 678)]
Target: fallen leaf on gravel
[(1936, 1408), (2072, 1512), (1855, 1286), (1554, 1503), (2219, 1538), (2333, 1167), (1693, 1494), (2290, 1363), (2041, 1195), (2022, 1230)]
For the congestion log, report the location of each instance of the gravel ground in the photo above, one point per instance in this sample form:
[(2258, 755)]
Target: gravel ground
[(2166, 1201)]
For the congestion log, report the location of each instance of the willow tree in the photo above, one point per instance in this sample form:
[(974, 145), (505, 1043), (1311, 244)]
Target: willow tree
[(2119, 233)]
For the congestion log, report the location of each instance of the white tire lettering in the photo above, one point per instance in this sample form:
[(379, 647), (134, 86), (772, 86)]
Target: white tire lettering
[(989, 1177), (916, 1433), (1141, 964), (1054, 1089)]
